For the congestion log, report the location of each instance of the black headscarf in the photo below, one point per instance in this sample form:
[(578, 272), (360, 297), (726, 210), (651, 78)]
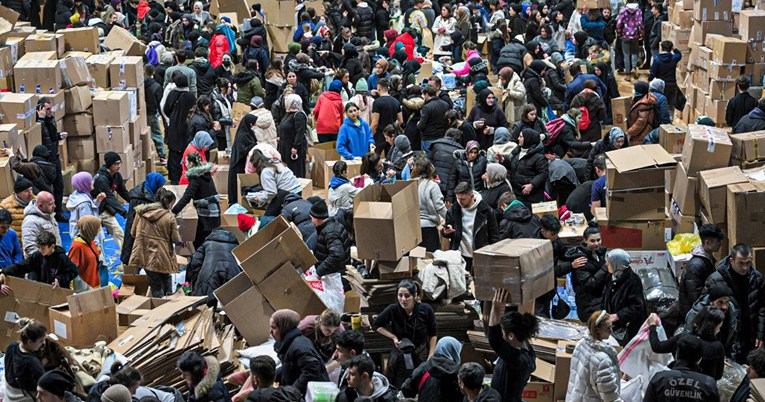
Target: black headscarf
[(538, 66), (245, 139), (530, 138), (482, 101)]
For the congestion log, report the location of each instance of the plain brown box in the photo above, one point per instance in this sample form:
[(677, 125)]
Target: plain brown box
[(18, 109), (187, 219), (81, 39), (45, 42), (87, 317), (78, 99), (322, 153), (111, 108), (637, 167), (746, 220), (620, 111), (31, 75), (121, 39), (685, 192), (285, 288), (79, 125), (522, 266), (98, 65), (646, 204), (246, 307), (713, 190), (126, 72), (112, 137), (712, 10)]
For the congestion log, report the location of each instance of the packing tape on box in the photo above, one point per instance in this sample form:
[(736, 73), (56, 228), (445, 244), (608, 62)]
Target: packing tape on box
[(710, 143)]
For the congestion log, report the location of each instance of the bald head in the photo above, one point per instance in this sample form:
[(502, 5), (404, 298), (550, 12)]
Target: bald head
[(45, 202)]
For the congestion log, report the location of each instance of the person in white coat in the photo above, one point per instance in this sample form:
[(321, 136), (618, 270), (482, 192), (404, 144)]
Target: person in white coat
[(442, 29), (265, 127), (513, 93), (595, 374)]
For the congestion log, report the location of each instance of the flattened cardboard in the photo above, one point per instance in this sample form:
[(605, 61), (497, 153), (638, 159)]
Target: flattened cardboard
[(386, 220), (285, 288), (161, 314), (86, 318), (522, 266), (713, 190), (635, 167)]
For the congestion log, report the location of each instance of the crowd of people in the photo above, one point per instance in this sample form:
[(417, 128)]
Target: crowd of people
[(490, 132)]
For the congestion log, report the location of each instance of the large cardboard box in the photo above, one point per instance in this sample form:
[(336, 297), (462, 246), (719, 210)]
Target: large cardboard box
[(74, 71), (354, 169), (713, 190), (77, 99), (685, 192), (705, 148), (38, 76), (712, 10), (87, 317), (322, 153), (637, 167), (242, 181), (29, 299), (43, 42), (6, 178), (98, 65), (79, 125), (18, 109), (6, 62), (121, 39), (187, 219), (38, 56), (746, 147), (32, 137), (672, 138), (645, 204), (111, 108), (286, 289), (112, 137), (620, 111), (562, 369), (522, 266), (746, 222), (633, 235), (543, 208), (246, 307), (81, 39), (386, 220), (752, 25), (126, 72), (81, 148), (11, 137)]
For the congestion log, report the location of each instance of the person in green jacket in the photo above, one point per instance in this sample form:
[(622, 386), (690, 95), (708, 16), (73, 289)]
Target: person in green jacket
[(248, 83)]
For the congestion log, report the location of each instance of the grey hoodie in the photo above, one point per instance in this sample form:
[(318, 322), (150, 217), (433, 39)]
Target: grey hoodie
[(432, 207)]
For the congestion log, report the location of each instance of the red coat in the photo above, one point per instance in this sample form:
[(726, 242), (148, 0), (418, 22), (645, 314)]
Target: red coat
[(409, 44), (189, 149), (328, 113), (218, 47)]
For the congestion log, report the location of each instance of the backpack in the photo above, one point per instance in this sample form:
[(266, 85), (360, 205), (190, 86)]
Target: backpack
[(585, 122), (554, 127), (151, 55)]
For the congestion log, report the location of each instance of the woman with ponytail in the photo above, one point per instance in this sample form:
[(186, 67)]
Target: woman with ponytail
[(595, 374), (22, 366)]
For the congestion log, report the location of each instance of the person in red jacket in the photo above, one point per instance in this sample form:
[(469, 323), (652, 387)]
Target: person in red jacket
[(219, 45), (329, 113)]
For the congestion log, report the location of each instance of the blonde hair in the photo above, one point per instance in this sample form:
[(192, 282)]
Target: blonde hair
[(330, 318), (597, 319)]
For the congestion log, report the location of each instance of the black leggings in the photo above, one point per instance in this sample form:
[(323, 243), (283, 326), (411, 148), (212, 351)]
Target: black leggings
[(430, 239), (160, 284)]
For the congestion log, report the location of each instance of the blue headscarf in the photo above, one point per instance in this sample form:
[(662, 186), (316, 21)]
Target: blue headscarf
[(202, 140), (449, 348), (154, 181)]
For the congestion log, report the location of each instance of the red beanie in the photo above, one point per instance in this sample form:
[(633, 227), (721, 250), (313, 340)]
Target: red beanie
[(245, 222)]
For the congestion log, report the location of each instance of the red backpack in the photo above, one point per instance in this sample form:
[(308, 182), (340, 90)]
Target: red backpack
[(585, 122), (554, 128)]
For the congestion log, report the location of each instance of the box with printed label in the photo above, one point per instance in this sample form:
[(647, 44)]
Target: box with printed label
[(18, 109), (705, 148), (712, 10), (746, 220), (126, 71), (117, 137), (87, 317), (111, 108), (752, 25), (38, 76), (672, 137)]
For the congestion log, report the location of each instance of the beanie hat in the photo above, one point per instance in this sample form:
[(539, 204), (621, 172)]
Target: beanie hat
[(111, 158), (335, 86), (293, 47), (116, 3), (719, 290), (362, 86), (56, 382), (517, 8), (402, 143), (641, 87), (21, 184), (319, 210), (657, 84), (580, 37), (706, 121), (116, 393), (245, 222), (225, 19), (480, 86)]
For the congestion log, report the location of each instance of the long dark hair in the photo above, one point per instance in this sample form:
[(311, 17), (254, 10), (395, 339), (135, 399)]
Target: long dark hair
[(706, 321), (260, 162), (202, 101)]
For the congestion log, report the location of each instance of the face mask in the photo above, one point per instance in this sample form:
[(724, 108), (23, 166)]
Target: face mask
[(227, 63)]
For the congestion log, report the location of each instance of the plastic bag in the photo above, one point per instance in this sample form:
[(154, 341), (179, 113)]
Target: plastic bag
[(683, 243), (733, 374), (637, 358), (558, 329), (329, 288), (632, 390)]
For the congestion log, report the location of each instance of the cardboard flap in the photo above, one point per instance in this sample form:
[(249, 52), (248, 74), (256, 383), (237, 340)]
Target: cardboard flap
[(640, 157), (545, 371), (92, 300), (133, 303), (9, 15), (723, 176), (233, 288), (285, 288), (374, 210), (161, 314)]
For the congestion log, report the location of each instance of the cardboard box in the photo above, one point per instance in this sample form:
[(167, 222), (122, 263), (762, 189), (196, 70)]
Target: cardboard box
[(391, 270), (633, 235), (746, 147), (220, 178), (705, 148), (354, 169), (6, 62), (18, 109), (87, 317), (126, 156), (81, 39), (727, 50), (286, 289), (81, 148), (678, 263), (685, 192), (29, 299), (39, 56), (187, 219), (562, 369), (133, 307), (620, 111), (522, 266), (38, 76), (126, 72), (43, 42), (538, 391), (74, 71), (11, 137), (712, 10), (752, 25), (245, 180), (701, 29), (543, 208), (646, 204), (98, 65), (112, 137), (17, 48), (713, 190), (122, 39), (672, 138), (322, 153), (386, 220), (111, 108), (246, 307), (746, 222), (33, 137), (6, 178), (80, 125), (637, 167), (77, 99)]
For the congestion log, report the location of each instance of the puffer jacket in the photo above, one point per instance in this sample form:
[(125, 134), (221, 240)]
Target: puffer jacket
[(333, 247), (328, 113), (754, 121), (411, 110), (597, 111), (530, 169), (467, 172), (298, 211), (629, 23), (138, 196), (364, 21), (14, 206), (248, 85), (728, 333), (265, 127), (35, 222), (156, 232), (442, 155), (220, 110), (589, 281), (642, 118), (624, 297), (511, 55), (201, 190), (519, 223), (754, 293), (700, 266), (534, 84), (301, 363), (213, 264), (595, 374), (109, 184)]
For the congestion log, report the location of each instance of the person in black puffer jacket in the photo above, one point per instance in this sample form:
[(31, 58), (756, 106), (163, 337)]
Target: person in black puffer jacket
[(200, 118), (589, 275), (555, 79), (301, 362), (63, 12), (364, 21), (528, 168), (511, 55), (201, 190), (569, 136), (623, 296), (38, 170), (204, 71), (700, 266), (298, 211), (142, 194), (534, 84), (203, 378), (517, 221), (441, 383), (333, 244), (470, 166), (529, 118), (352, 63), (213, 264), (442, 155)]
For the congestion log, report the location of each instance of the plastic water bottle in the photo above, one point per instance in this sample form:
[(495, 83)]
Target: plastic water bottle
[(571, 295)]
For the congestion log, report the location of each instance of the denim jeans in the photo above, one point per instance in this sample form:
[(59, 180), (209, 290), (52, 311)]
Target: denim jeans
[(156, 135), (631, 50), (160, 284), (426, 146)]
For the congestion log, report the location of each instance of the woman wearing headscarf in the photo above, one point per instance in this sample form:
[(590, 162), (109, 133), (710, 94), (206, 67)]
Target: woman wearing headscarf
[(201, 190), (555, 79), (380, 71), (595, 374), (514, 92), (244, 141), (177, 107), (496, 184), (81, 202), (486, 117), (84, 251), (200, 144), (352, 63), (604, 72), (529, 118), (200, 15), (142, 194), (596, 111), (615, 139), (527, 167), (432, 207), (436, 380), (469, 167), (534, 83), (410, 71), (502, 145), (642, 117), (301, 363), (292, 136), (533, 52), (623, 297)]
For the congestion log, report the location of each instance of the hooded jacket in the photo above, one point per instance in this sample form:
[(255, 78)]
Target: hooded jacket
[(728, 333), (595, 374), (301, 363), (534, 84), (156, 232), (211, 388), (63, 13), (518, 222), (38, 170), (624, 297), (469, 172), (442, 155), (568, 138), (46, 269), (139, 195), (493, 116), (352, 63), (328, 113), (248, 85), (577, 85), (205, 76), (441, 383), (511, 55), (333, 247), (265, 126), (353, 140), (298, 211), (514, 96), (383, 391), (213, 264), (35, 222), (364, 21), (642, 118), (177, 106), (530, 168), (629, 22), (79, 205), (754, 121), (202, 191), (485, 229), (700, 266), (589, 281), (596, 109)]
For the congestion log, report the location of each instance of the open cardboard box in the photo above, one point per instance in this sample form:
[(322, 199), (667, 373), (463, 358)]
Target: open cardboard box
[(637, 167), (245, 180), (29, 299), (354, 169), (86, 317), (135, 307), (187, 219), (246, 307), (322, 153), (133, 284)]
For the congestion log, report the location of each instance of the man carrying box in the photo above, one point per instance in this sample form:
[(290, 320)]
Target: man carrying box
[(470, 224)]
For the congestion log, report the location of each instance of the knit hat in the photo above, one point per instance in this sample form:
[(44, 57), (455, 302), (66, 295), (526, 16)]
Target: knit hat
[(116, 393), (245, 222), (21, 184), (402, 143), (167, 58), (705, 121), (82, 182), (719, 290), (480, 86), (362, 86), (116, 3), (319, 210), (335, 86), (111, 158), (256, 102), (56, 382), (225, 19), (517, 8), (641, 87), (580, 37), (657, 84), (293, 47)]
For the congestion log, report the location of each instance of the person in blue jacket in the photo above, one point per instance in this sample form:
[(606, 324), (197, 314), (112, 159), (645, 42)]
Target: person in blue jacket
[(355, 137)]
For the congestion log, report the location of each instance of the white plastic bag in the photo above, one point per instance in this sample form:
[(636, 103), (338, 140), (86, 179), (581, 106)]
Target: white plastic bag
[(329, 288), (637, 358), (632, 390)]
